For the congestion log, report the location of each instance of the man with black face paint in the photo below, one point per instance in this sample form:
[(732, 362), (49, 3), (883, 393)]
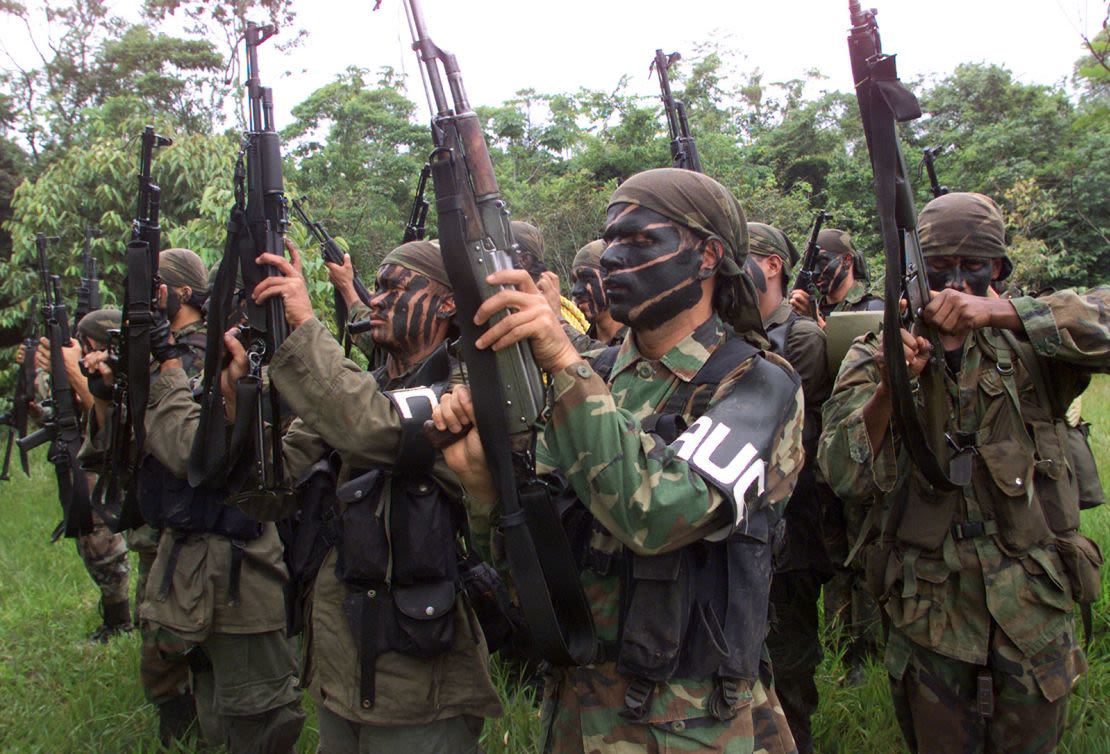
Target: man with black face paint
[(802, 565), (588, 294), (841, 279), (387, 536), (681, 445), (980, 582)]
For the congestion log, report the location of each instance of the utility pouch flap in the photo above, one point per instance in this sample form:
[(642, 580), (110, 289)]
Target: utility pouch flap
[(425, 601), (358, 489), (1010, 465), (1082, 560)]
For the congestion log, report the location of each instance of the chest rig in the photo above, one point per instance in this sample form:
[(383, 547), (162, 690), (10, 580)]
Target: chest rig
[(700, 611)]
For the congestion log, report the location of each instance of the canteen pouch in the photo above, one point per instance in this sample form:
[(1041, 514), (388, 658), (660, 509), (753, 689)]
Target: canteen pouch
[(1082, 460), (1082, 560), (363, 557)]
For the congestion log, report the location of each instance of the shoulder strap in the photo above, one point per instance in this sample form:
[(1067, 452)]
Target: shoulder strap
[(780, 333), (1028, 356)]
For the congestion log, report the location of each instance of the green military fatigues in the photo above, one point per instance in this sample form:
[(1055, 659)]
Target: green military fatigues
[(979, 583), (794, 641), (858, 299), (650, 502), (249, 693), (427, 700)]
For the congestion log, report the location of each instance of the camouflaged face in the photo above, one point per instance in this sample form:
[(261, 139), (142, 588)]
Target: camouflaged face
[(590, 255), (95, 325), (767, 241), (840, 242), (964, 224), (528, 238), (181, 267), (422, 257)]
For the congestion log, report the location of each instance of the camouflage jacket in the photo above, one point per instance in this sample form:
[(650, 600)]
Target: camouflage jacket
[(804, 546), (198, 603), (340, 406), (858, 299), (650, 501), (988, 553)]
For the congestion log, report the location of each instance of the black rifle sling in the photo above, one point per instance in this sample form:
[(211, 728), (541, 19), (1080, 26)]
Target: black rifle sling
[(536, 544), (886, 102), (73, 485), (140, 321)]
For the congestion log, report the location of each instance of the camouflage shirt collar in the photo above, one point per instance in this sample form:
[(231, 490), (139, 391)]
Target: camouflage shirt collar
[(856, 293), (189, 329), (685, 358)]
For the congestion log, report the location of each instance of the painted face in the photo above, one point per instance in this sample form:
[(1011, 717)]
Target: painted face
[(652, 266), (403, 309), (831, 270), (755, 272), (588, 292), (968, 274)]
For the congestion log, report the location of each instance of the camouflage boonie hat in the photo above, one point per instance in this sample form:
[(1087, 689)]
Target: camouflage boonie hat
[(528, 238), (840, 242), (966, 225), (766, 240), (590, 255), (95, 325), (182, 267)]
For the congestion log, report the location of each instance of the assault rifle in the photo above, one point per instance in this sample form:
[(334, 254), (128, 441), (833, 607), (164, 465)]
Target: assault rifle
[(88, 295), (331, 252), (804, 280), (142, 326), (684, 152), (884, 102), (929, 155), (476, 240), (16, 417), (61, 428), (257, 225), (418, 216)]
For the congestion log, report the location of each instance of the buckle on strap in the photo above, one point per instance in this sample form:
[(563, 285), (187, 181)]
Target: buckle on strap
[(637, 699), (723, 700), (974, 529)]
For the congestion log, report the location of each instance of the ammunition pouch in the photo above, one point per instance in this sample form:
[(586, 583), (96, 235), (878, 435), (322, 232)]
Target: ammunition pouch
[(1082, 560), (169, 502), (1082, 459)]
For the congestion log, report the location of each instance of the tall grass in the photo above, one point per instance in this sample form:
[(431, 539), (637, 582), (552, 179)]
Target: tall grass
[(58, 693)]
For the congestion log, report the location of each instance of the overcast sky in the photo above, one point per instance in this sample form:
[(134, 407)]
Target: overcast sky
[(561, 45)]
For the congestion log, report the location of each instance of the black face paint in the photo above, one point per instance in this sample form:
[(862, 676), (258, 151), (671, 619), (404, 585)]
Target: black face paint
[(588, 292), (755, 272), (831, 270), (173, 303), (968, 274), (652, 267), (403, 310)]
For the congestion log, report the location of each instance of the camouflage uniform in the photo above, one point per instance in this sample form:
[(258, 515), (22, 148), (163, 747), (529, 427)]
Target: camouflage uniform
[(858, 299), (667, 504), (978, 583)]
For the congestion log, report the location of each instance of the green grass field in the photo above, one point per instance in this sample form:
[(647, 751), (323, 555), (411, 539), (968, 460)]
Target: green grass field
[(58, 693)]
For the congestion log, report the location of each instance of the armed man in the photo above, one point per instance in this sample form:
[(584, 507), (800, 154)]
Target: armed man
[(214, 595), (840, 274), (103, 552), (979, 582), (588, 294), (681, 446), (530, 254), (802, 565), (395, 658)]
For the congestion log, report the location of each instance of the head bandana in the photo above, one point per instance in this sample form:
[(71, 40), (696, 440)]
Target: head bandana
[(422, 257), (181, 267), (965, 225), (709, 209), (766, 241), (95, 325), (589, 255), (528, 238)]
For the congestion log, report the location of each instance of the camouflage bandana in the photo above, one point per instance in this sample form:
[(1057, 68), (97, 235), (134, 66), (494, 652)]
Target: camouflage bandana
[(703, 205), (767, 241), (590, 255), (528, 238), (422, 257), (964, 225), (181, 267), (95, 325)]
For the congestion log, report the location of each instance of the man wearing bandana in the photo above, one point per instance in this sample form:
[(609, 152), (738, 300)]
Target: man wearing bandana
[(801, 566), (681, 464), (841, 278), (588, 293), (979, 583), (387, 536)]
